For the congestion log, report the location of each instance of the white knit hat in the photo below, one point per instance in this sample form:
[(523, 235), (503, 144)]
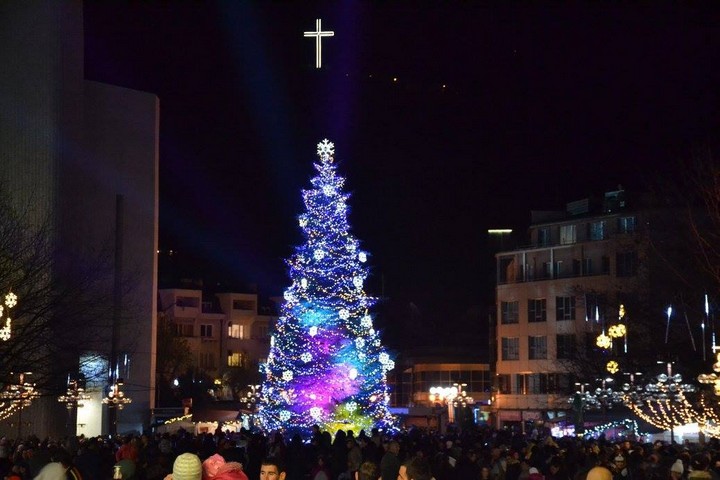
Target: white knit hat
[(678, 467), (187, 467)]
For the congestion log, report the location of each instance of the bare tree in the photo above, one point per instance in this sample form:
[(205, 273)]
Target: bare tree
[(65, 306)]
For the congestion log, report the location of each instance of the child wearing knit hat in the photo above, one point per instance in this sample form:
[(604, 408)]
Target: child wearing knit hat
[(187, 466)]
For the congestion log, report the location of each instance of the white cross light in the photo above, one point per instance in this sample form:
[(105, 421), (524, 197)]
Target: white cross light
[(318, 34)]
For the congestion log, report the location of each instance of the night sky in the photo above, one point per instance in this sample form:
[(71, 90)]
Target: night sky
[(494, 112)]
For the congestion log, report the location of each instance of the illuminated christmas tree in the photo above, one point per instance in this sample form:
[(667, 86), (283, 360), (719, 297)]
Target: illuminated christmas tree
[(326, 364)]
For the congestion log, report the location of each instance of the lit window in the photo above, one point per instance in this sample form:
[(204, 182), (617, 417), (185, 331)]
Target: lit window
[(235, 359), (236, 331)]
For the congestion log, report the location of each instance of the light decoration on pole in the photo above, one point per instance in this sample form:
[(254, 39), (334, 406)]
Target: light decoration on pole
[(453, 397), (20, 395), (326, 364), (75, 394), (612, 367), (663, 403), (602, 397), (603, 341), (251, 397), (116, 397), (6, 329)]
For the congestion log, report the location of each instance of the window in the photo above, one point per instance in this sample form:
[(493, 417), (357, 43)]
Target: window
[(504, 385), (536, 310), (626, 224), (244, 305), (564, 308), (565, 346), (568, 234), (605, 265), (510, 348), (597, 230), (183, 330), (206, 331), (543, 237), (263, 331), (537, 347), (207, 360), (187, 302), (626, 264), (509, 312), (236, 331), (235, 359), (587, 266)]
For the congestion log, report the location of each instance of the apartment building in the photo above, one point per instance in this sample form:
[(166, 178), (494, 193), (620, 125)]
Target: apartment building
[(555, 296), (223, 331)]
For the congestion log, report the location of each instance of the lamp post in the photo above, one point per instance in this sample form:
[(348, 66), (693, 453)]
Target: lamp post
[(250, 399), (451, 397), (116, 400), (73, 398), (668, 389)]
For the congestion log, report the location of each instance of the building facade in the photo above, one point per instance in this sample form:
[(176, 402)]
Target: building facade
[(224, 332), (554, 297), (83, 157)]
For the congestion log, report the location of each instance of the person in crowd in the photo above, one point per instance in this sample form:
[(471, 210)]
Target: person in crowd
[(320, 471), (216, 468), (677, 470), (390, 463), (272, 469), (416, 469), (367, 471), (599, 473)]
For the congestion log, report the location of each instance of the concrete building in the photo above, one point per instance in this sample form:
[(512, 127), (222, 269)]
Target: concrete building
[(223, 331), (555, 296), (84, 155)]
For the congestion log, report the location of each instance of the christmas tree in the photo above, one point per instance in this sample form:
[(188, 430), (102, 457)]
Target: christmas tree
[(326, 364)]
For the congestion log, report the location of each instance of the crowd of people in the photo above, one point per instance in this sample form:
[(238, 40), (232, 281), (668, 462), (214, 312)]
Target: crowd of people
[(479, 454)]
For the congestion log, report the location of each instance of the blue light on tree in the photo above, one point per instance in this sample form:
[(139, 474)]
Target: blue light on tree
[(326, 364)]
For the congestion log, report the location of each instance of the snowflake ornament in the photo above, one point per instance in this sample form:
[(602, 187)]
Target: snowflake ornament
[(326, 148), (315, 412), (10, 300), (287, 375), (366, 321), (344, 314), (306, 357), (284, 415)]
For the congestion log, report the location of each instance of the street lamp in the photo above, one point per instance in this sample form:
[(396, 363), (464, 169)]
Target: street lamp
[(661, 397), (251, 397), (116, 397)]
